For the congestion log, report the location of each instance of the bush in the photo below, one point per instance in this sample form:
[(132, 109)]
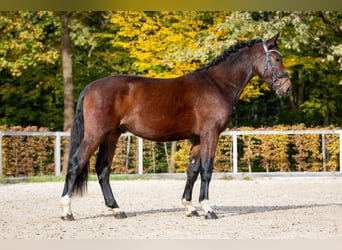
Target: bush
[(27, 155)]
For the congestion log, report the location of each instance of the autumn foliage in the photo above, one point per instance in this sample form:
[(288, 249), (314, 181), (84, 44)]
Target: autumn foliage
[(168, 44), (27, 155)]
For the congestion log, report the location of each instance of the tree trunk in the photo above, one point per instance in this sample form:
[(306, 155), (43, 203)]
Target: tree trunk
[(301, 90), (66, 46), (249, 155), (167, 154), (171, 168), (153, 146), (325, 107)]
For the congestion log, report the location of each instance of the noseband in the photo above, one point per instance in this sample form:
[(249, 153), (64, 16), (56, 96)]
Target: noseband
[(268, 61)]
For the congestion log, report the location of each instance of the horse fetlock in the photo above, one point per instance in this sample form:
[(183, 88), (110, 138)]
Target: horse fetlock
[(206, 206), (190, 210), (66, 206), (209, 213), (118, 213)]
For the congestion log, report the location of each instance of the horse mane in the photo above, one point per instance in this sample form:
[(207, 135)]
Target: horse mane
[(232, 49)]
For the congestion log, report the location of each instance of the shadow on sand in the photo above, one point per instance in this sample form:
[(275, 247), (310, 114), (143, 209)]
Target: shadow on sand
[(222, 211)]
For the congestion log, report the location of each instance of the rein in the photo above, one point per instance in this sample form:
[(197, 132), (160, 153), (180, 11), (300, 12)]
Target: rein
[(268, 61)]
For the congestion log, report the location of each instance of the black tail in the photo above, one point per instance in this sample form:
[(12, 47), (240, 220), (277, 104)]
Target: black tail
[(76, 136)]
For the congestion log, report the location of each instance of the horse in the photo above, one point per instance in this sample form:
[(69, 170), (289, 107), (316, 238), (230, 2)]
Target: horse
[(195, 106)]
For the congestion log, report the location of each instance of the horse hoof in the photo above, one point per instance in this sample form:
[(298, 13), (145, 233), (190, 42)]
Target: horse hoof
[(211, 216), (193, 214), (68, 217), (121, 215)]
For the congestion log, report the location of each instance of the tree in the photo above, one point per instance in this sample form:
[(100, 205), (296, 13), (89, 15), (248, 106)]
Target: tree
[(29, 62), (167, 44), (66, 47), (317, 39)]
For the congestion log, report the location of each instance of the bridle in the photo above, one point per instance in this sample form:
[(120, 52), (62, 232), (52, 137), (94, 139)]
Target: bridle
[(268, 61)]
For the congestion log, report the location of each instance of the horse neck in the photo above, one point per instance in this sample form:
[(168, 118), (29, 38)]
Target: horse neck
[(233, 74)]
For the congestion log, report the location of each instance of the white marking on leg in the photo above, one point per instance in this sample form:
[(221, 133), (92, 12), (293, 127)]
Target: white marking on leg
[(66, 205), (205, 206), (116, 211), (189, 208)]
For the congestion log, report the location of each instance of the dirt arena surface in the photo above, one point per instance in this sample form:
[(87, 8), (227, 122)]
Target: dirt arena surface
[(262, 208)]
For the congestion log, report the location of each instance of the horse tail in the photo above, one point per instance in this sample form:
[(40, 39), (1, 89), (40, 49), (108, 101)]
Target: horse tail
[(76, 136)]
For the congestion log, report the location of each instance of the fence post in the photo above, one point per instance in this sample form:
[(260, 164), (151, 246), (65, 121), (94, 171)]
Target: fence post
[(235, 153), (57, 154), (323, 152), (0, 154), (140, 156)]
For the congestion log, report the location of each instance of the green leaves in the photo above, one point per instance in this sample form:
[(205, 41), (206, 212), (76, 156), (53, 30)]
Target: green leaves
[(22, 41)]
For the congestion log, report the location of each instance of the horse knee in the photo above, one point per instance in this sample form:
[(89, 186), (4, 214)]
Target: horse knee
[(206, 176), (207, 170)]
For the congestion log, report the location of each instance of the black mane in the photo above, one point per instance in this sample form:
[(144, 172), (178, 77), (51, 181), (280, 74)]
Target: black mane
[(232, 49)]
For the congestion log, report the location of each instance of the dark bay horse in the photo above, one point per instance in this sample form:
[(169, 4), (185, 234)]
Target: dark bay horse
[(195, 106)]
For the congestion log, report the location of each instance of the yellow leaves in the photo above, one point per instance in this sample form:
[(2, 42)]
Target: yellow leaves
[(133, 24), (254, 89), (182, 156), (147, 28), (159, 41), (290, 61), (12, 44), (333, 148)]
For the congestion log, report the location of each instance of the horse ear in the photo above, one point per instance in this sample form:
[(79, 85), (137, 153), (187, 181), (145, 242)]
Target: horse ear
[(272, 42)]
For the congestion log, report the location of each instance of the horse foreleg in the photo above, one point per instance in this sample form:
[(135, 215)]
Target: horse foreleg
[(192, 173), (103, 164), (208, 148)]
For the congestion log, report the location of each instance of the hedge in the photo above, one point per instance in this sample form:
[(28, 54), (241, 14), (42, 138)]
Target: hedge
[(34, 155)]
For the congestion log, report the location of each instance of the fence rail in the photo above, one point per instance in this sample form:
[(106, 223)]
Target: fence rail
[(233, 134)]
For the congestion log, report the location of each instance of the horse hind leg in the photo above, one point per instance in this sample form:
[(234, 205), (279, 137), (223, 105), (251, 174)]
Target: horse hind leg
[(77, 175), (66, 206), (103, 165)]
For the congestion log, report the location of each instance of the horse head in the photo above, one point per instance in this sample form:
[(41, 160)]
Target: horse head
[(271, 69)]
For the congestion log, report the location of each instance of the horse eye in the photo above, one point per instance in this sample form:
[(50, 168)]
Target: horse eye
[(277, 59)]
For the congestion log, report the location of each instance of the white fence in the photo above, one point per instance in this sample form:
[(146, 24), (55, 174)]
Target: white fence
[(233, 134)]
